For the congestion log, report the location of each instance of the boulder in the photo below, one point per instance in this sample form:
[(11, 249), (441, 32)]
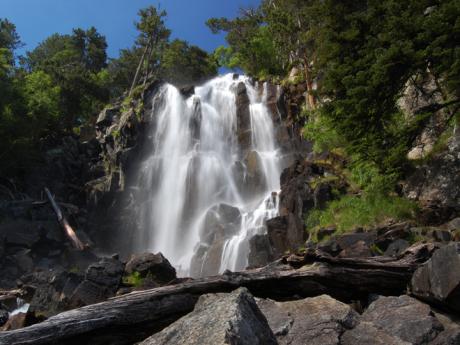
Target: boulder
[(451, 333), (219, 319), (102, 280), (221, 221), (438, 280), (397, 247), (395, 320), (315, 321), (52, 290), (154, 266)]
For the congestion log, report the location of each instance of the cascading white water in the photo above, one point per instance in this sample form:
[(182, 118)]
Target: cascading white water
[(201, 206)]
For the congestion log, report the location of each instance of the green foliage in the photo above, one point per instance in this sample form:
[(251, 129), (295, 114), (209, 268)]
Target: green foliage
[(42, 98), (320, 130), (353, 211), (251, 45), (75, 64), (134, 279), (362, 54), (185, 64)]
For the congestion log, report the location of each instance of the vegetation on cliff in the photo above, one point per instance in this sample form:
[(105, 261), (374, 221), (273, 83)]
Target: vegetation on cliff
[(67, 79), (356, 59)]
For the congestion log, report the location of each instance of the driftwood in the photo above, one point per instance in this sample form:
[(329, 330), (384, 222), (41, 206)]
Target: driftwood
[(134, 316), (69, 232), (9, 294)]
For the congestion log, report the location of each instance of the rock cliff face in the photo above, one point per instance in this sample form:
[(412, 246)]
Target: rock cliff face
[(436, 183)]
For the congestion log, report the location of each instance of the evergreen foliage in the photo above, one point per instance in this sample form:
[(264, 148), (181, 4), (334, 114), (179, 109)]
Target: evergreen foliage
[(67, 79)]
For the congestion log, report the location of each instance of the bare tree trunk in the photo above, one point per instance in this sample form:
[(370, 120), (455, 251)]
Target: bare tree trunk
[(69, 232), (310, 99), (139, 68)]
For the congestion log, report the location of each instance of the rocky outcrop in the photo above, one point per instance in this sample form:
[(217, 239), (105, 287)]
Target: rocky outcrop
[(243, 117), (436, 183), (438, 280), (422, 94), (395, 320), (154, 267), (317, 321), (219, 319), (304, 186)]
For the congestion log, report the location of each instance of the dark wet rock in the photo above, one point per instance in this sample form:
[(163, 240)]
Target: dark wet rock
[(296, 196), (222, 221), (325, 232), (3, 316), (219, 319), (253, 180), (106, 116), (329, 246), (154, 266), (243, 116), (322, 194), (402, 319), (438, 280), (102, 280), (347, 240), (20, 233), (286, 233), (51, 290), (195, 119), (397, 247), (320, 320), (260, 251), (24, 260), (187, 90), (359, 249), (441, 235)]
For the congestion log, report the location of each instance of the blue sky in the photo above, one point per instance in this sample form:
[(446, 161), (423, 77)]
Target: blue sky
[(35, 20)]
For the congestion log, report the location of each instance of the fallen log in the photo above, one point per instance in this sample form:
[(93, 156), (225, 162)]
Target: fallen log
[(132, 317), (69, 232)]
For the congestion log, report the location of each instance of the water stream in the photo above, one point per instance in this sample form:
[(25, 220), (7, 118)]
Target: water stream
[(207, 192)]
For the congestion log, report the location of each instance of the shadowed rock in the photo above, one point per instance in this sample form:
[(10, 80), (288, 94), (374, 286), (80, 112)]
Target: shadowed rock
[(438, 280)]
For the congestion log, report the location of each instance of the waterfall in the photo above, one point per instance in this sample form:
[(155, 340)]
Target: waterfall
[(209, 182)]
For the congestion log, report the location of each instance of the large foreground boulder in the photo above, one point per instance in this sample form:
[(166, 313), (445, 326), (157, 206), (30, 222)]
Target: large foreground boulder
[(315, 321), (438, 280), (395, 320), (219, 319)]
